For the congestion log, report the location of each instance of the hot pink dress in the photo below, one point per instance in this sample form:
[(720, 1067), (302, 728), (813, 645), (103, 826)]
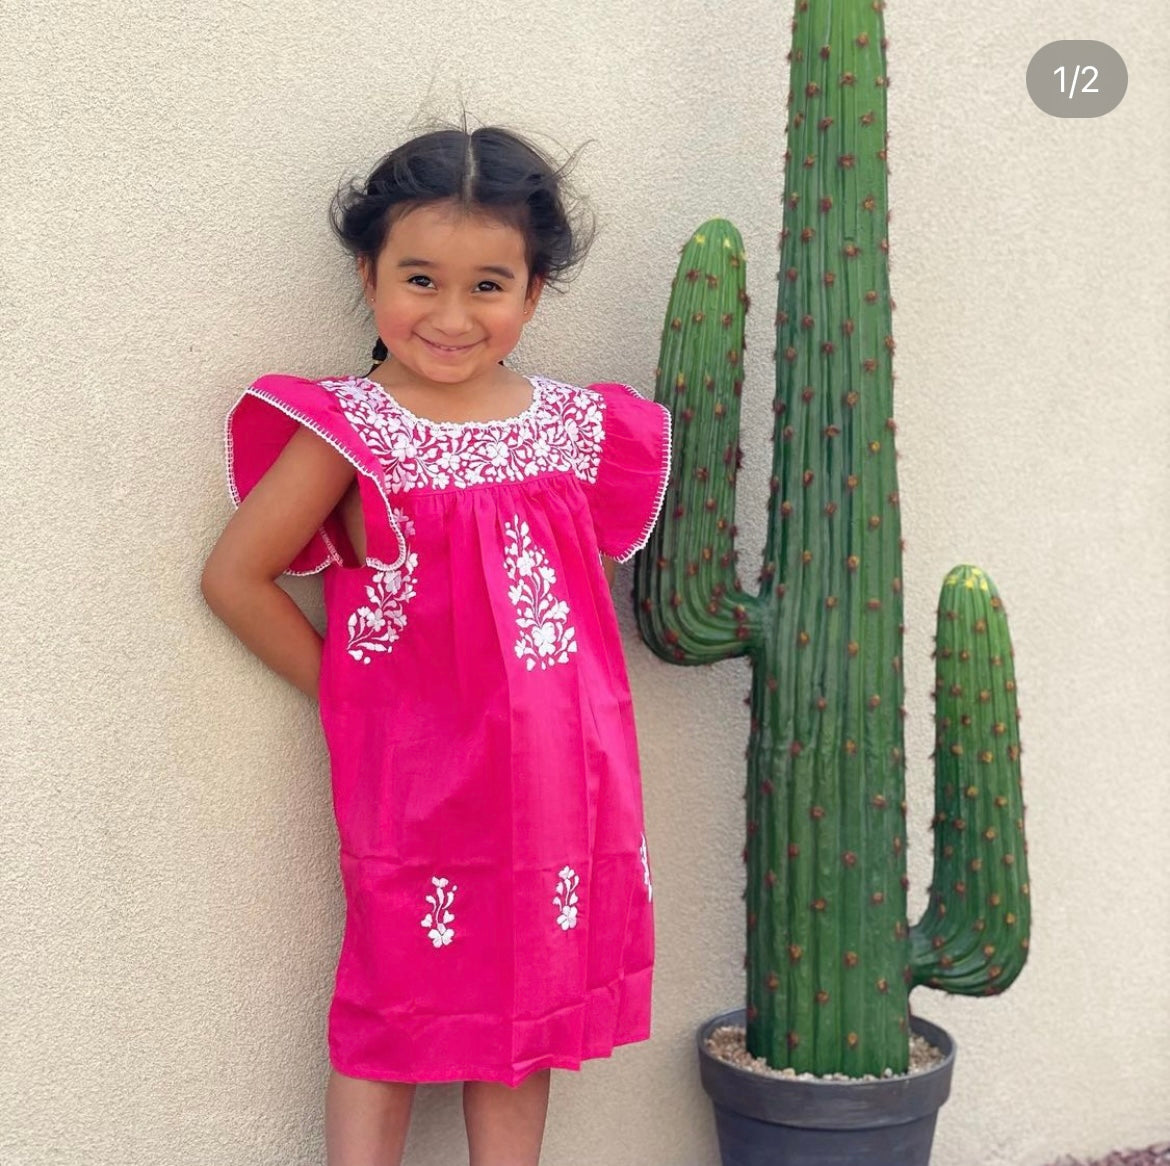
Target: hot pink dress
[(477, 713)]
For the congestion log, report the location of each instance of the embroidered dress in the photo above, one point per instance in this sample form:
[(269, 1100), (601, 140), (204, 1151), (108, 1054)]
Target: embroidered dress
[(476, 708)]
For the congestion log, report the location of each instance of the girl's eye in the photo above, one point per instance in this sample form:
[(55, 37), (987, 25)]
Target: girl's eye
[(483, 285)]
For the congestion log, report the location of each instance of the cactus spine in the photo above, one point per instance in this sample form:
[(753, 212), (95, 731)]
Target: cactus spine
[(831, 958)]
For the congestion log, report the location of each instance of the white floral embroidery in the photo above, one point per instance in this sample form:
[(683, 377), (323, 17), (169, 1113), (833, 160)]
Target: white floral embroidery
[(546, 637), (440, 914), (376, 627), (561, 431), (566, 898), (405, 522), (646, 870)]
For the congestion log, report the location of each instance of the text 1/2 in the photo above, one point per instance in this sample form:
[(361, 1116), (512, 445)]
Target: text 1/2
[(1086, 85)]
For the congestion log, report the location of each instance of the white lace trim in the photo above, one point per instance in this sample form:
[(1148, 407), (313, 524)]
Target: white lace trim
[(332, 556), (663, 483), (561, 431), (546, 636), (440, 914), (566, 898)]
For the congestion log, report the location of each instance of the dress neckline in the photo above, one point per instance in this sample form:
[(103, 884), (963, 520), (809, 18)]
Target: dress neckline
[(457, 426)]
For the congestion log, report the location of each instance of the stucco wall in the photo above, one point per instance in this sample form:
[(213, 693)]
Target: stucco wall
[(171, 907)]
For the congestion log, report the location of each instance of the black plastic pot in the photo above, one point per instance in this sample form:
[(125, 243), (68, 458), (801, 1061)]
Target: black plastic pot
[(780, 1121)]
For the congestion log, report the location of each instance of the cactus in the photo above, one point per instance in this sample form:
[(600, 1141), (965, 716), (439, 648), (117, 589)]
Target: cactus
[(973, 939), (830, 956)]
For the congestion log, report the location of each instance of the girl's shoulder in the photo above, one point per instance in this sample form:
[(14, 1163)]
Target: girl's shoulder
[(283, 384), (338, 403), (273, 405), (262, 423), (614, 402), (602, 393), (623, 443), (292, 393)]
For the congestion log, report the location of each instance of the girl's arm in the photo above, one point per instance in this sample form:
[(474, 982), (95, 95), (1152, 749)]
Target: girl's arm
[(609, 566), (277, 518)]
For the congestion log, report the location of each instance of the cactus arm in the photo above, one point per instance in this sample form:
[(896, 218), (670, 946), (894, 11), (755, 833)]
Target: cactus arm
[(690, 606), (973, 938)]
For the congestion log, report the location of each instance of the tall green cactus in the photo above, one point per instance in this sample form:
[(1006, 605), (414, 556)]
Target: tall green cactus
[(831, 958)]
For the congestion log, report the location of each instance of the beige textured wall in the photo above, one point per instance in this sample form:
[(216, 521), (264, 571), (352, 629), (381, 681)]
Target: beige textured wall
[(171, 908)]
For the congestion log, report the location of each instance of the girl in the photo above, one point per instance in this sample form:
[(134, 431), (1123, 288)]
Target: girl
[(472, 689)]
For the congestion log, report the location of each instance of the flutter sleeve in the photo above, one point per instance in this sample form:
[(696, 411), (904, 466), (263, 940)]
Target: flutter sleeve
[(632, 473), (261, 424)]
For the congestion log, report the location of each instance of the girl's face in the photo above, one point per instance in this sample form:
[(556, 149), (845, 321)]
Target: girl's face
[(450, 294)]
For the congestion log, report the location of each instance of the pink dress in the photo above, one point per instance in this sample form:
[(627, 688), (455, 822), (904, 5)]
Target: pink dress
[(477, 713)]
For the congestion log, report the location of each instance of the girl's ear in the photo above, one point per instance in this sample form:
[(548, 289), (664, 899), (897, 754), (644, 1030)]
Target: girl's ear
[(366, 274), (532, 295)]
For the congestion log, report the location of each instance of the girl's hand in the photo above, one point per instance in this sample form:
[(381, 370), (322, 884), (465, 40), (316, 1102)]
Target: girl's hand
[(273, 523)]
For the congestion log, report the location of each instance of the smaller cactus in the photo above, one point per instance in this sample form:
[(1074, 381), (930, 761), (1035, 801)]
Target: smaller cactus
[(973, 939)]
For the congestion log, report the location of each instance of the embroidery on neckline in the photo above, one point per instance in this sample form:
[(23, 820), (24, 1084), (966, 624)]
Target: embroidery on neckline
[(456, 426), (561, 432)]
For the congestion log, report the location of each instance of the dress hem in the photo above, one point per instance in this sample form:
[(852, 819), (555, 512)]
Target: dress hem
[(481, 1073)]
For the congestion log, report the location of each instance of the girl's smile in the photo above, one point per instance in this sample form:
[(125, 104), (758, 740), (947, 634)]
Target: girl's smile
[(447, 349)]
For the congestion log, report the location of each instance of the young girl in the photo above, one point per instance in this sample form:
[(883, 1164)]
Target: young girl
[(472, 689)]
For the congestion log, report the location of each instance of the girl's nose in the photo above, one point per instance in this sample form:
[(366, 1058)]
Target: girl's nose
[(450, 315)]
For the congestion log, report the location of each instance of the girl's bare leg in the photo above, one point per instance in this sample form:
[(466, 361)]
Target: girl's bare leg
[(505, 1127), (366, 1121)]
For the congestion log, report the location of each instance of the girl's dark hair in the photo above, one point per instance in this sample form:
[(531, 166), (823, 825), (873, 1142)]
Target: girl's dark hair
[(486, 171)]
